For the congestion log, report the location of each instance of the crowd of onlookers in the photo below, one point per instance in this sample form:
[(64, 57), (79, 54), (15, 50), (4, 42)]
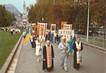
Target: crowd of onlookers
[(12, 30)]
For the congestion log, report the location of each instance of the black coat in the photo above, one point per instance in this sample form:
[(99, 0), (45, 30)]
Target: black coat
[(75, 55), (45, 58)]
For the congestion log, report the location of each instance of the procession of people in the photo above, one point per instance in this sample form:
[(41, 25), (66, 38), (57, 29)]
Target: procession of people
[(69, 45), (70, 51)]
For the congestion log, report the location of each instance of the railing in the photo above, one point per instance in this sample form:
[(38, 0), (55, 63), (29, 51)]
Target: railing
[(95, 41)]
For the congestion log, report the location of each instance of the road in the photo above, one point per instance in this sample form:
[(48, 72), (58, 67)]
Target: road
[(93, 61)]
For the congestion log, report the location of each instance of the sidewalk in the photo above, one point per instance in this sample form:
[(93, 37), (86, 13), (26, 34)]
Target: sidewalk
[(26, 63)]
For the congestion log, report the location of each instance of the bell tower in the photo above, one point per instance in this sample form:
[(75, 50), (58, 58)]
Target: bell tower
[(25, 13)]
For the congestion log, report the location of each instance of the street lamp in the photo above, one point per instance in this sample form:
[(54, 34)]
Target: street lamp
[(88, 3)]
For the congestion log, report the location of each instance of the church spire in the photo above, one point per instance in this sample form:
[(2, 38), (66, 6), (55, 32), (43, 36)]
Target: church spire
[(24, 5)]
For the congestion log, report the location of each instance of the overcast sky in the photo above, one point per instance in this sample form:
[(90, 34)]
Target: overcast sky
[(18, 3)]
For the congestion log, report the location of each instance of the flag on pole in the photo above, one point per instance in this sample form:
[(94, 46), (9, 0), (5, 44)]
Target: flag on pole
[(27, 38)]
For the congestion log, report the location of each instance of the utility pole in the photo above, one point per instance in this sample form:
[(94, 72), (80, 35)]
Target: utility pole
[(88, 3), (24, 17), (53, 2), (104, 26)]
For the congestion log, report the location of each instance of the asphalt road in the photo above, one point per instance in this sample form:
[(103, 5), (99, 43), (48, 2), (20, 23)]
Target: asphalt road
[(93, 61)]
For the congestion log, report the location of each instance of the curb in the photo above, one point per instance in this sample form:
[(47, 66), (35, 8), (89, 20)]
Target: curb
[(10, 58), (18, 54)]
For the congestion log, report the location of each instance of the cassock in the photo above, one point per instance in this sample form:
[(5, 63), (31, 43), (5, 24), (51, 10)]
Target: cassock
[(77, 54), (48, 55)]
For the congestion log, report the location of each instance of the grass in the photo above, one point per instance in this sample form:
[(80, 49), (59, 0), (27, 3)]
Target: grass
[(7, 43), (95, 41)]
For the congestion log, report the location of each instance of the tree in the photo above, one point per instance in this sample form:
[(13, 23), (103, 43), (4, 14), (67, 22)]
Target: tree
[(72, 11), (6, 17)]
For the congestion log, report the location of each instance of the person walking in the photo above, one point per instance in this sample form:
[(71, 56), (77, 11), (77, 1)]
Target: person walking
[(48, 56), (52, 37), (70, 49), (63, 51), (78, 47), (33, 41)]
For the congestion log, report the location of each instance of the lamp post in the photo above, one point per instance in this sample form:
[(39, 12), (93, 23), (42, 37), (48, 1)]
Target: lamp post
[(88, 3), (104, 26)]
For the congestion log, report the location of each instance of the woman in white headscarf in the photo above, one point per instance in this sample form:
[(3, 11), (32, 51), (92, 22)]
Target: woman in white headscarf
[(63, 50)]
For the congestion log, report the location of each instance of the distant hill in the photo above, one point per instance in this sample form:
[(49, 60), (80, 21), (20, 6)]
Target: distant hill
[(12, 9)]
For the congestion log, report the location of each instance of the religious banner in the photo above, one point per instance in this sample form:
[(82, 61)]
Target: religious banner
[(62, 24), (42, 27), (53, 28), (66, 33), (67, 27), (34, 28)]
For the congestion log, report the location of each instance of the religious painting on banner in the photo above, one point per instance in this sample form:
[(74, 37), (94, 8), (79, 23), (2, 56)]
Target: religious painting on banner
[(62, 24), (53, 28), (34, 28), (42, 27)]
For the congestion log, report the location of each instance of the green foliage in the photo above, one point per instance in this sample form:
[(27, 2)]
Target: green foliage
[(98, 10), (7, 42), (6, 17), (72, 11)]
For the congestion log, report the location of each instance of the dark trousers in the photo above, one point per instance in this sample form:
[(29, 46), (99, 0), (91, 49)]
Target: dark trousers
[(44, 66), (75, 65), (33, 44)]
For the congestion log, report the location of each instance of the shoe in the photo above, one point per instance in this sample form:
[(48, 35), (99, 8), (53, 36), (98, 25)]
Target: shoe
[(45, 70), (62, 67), (78, 67), (66, 69), (38, 60)]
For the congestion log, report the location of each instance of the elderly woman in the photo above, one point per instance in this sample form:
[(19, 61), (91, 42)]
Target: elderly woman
[(63, 50), (48, 55)]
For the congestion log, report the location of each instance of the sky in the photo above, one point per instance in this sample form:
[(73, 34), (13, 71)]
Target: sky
[(18, 3)]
